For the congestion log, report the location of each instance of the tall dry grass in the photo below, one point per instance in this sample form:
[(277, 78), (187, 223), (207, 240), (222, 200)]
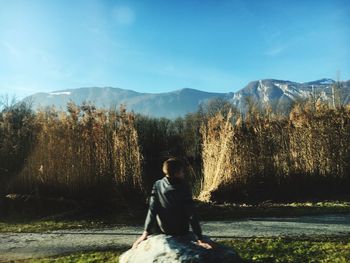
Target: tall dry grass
[(216, 153), (83, 153), (17, 135), (93, 153), (268, 156)]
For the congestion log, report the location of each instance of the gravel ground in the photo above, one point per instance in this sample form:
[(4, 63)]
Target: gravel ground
[(14, 246)]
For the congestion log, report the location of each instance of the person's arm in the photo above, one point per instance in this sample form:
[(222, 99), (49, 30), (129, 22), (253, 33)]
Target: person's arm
[(189, 208), (152, 210), (150, 218), (196, 228)]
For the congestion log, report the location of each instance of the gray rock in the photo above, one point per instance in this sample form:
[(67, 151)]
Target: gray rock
[(165, 248)]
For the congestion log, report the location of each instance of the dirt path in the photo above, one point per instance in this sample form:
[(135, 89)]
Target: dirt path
[(28, 245)]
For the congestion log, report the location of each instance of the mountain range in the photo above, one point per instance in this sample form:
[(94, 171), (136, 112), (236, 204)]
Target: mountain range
[(267, 92)]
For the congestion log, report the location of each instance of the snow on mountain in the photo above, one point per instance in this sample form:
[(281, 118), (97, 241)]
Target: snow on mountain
[(321, 82), (60, 93), (278, 94)]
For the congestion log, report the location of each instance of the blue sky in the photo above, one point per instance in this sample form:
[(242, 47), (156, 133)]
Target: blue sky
[(159, 46)]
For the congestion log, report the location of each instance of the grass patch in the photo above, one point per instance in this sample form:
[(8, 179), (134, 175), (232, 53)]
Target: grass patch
[(89, 257), (292, 249), (24, 216), (113, 217), (325, 249), (42, 226)]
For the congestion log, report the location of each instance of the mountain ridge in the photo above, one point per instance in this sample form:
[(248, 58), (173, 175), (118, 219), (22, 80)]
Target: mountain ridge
[(267, 92)]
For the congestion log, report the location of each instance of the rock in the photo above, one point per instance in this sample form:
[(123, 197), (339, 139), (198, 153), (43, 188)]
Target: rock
[(165, 248)]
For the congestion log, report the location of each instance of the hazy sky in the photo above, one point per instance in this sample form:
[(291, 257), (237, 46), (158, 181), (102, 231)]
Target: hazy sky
[(158, 46)]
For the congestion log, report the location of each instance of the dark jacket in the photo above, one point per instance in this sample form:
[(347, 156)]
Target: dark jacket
[(171, 205)]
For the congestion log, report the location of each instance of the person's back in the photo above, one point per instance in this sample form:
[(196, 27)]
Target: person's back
[(171, 205), (174, 207)]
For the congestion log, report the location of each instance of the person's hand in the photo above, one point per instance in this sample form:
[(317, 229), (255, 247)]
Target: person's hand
[(204, 244), (140, 239)]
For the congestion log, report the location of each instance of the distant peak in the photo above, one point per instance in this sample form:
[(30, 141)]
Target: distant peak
[(323, 81), (267, 81), (186, 89)]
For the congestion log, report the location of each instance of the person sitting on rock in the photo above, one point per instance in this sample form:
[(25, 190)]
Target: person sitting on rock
[(171, 207)]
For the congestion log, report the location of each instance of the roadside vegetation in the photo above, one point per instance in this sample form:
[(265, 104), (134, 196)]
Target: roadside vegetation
[(84, 153), (115, 216), (292, 249), (250, 249), (91, 154), (89, 257), (263, 156)]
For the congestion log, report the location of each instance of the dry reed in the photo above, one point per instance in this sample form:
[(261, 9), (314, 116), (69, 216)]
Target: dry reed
[(83, 153), (266, 156)]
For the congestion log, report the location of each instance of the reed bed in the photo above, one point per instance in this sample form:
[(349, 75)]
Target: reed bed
[(82, 153), (86, 152), (266, 156)]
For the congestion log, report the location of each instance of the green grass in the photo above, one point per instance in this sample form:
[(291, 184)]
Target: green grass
[(89, 257), (43, 226), (326, 249), (117, 217), (292, 250)]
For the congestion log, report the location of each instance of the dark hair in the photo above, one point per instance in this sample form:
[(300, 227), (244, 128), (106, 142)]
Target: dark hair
[(172, 166)]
